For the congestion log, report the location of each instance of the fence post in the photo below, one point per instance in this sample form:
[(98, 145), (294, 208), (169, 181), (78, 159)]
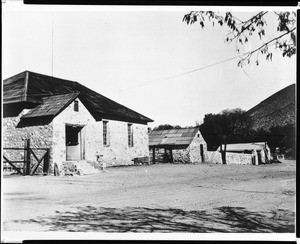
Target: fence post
[(26, 168), (46, 162)]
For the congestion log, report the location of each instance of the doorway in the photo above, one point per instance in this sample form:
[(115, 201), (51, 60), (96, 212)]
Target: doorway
[(74, 143), (201, 152)]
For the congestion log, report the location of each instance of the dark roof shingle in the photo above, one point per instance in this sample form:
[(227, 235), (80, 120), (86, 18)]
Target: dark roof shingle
[(51, 106), (32, 87)]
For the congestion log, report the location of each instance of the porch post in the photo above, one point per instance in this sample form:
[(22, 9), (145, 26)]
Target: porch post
[(171, 154), (26, 167), (153, 155)]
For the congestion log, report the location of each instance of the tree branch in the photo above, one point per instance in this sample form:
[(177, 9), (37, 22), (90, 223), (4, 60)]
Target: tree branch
[(265, 44)]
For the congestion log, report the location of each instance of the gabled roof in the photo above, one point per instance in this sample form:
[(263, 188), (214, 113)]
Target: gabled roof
[(51, 105), (32, 87), (174, 137), (241, 147)]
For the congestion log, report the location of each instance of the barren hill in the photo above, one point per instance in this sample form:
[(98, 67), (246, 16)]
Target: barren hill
[(276, 110)]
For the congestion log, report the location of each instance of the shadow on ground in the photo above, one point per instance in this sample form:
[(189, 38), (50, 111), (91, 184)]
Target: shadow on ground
[(138, 219)]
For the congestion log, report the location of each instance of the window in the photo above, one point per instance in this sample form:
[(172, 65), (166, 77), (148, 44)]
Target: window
[(76, 106), (130, 135), (105, 133)]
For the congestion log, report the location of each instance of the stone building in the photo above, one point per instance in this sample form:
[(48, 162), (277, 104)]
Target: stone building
[(75, 122), (178, 145), (242, 153)]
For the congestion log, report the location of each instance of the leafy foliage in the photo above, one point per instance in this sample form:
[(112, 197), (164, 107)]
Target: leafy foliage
[(167, 127), (235, 126), (228, 126), (241, 31), (282, 137)]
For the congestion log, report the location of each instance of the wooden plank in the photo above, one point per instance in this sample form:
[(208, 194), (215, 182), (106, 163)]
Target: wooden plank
[(12, 148), (153, 155), (35, 167), (27, 157), (14, 167), (46, 163), (16, 162)]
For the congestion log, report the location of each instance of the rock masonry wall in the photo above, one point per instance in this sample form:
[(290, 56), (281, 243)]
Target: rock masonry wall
[(231, 158), (117, 152), (40, 137), (194, 149)]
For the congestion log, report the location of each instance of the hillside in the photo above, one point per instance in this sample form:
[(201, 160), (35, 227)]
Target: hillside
[(276, 110)]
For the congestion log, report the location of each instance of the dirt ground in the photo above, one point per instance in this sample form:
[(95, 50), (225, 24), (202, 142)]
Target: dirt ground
[(156, 198)]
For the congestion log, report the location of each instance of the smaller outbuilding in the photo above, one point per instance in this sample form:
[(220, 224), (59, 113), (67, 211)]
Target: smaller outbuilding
[(179, 145), (259, 151)]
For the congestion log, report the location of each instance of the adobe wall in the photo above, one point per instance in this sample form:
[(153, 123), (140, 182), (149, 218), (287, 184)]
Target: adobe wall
[(116, 153), (40, 137), (194, 149)]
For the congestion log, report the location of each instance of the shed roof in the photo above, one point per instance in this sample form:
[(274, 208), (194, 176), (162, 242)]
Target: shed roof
[(173, 137), (240, 147), (51, 105), (32, 87)]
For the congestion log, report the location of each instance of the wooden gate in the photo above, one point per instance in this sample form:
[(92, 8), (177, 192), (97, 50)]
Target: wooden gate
[(30, 163)]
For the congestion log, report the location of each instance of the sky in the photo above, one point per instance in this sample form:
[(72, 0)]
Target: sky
[(137, 57)]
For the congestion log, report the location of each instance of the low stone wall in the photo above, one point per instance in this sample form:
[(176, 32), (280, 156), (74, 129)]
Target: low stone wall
[(231, 158), (214, 157), (238, 158), (181, 156)]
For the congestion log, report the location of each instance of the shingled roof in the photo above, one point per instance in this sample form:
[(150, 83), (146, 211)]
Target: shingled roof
[(241, 147), (37, 89), (51, 105), (174, 137)]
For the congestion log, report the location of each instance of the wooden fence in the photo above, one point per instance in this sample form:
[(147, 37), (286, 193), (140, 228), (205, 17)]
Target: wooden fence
[(30, 163)]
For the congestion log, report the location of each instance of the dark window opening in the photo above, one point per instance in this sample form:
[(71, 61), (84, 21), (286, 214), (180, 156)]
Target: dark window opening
[(72, 135), (76, 106), (130, 135)]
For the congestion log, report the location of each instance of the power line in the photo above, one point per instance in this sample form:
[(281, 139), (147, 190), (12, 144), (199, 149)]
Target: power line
[(181, 74)]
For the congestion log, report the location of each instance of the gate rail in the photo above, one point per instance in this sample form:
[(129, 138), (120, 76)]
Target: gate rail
[(27, 168)]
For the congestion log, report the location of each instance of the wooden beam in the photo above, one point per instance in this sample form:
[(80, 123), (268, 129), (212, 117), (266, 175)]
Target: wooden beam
[(171, 153), (153, 155), (34, 167), (26, 167), (10, 163), (46, 163)]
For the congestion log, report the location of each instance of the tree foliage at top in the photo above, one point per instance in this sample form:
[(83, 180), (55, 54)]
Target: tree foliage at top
[(167, 127), (241, 31), (228, 126)]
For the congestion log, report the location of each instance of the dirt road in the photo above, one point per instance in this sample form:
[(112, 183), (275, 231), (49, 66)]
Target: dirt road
[(157, 198)]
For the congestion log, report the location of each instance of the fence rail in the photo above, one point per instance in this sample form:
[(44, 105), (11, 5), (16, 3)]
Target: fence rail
[(31, 162)]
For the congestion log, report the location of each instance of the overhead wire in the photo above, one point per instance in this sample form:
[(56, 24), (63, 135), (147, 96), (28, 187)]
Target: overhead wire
[(181, 74)]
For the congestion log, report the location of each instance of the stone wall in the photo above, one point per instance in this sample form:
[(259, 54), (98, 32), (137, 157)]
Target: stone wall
[(213, 157), (117, 152), (238, 158), (231, 158), (181, 155), (40, 137), (194, 149)]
